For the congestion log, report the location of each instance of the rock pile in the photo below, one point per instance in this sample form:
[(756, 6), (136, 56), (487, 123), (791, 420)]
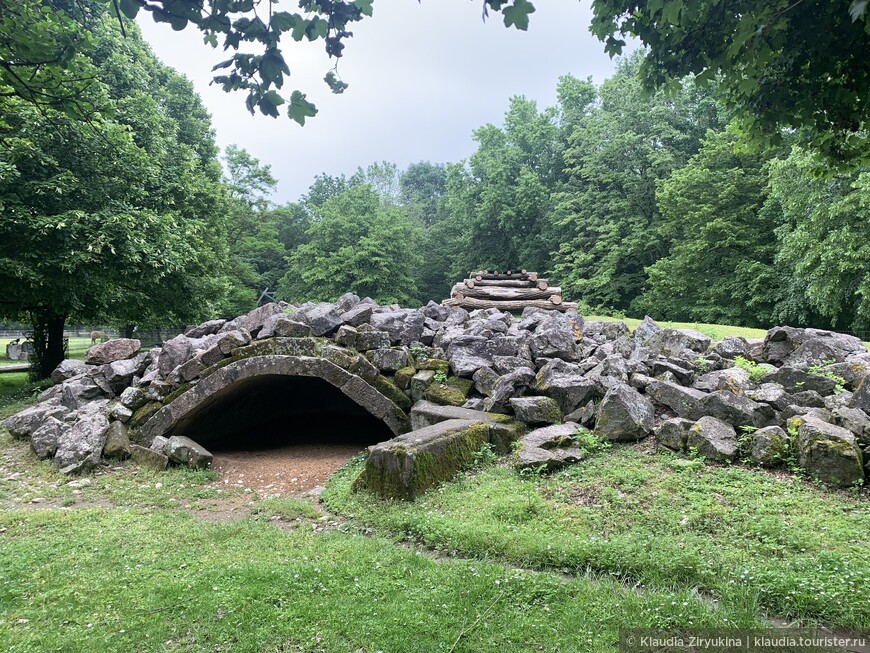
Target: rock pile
[(798, 395)]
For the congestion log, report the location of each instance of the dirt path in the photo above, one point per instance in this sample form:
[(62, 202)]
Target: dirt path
[(283, 472)]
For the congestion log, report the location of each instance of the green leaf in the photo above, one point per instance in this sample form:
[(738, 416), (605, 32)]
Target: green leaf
[(129, 8), (335, 84), (518, 14), (283, 21), (365, 6), (857, 9), (300, 108)]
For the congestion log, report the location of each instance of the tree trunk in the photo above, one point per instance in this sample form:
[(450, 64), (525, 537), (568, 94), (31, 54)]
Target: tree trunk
[(502, 293), (128, 330), (48, 349), (472, 303), (487, 275)]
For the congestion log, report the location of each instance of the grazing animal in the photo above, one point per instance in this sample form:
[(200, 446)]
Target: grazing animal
[(98, 335)]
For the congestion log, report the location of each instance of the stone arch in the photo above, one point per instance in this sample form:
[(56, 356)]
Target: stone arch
[(208, 391)]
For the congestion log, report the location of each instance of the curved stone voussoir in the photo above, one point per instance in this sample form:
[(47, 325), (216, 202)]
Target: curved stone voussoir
[(379, 406)]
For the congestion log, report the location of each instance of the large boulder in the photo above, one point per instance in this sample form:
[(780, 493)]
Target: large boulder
[(184, 451), (503, 431), (565, 383), (467, 354), (80, 446), (646, 330), (769, 446), (506, 387), (714, 439), (804, 347), (796, 380), (80, 391), (673, 342), (67, 369), (685, 402), (674, 433), (827, 452), (410, 464), (323, 319), (173, 353), (736, 410), (283, 325), (112, 350), (554, 337), (624, 415), (536, 410), (389, 360), (23, 423), (117, 441), (548, 448), (44, 439), (404, 326), (208, 328)]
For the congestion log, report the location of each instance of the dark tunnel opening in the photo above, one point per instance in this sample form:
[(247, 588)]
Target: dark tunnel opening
[(273, 411)]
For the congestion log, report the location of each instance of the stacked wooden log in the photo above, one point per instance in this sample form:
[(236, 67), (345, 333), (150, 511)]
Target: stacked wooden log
[(506, 291)]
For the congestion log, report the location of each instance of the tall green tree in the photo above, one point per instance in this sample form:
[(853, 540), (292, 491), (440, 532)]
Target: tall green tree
[(823, 254), (720, 267), (112, 219), (356, 244), (606, 219)]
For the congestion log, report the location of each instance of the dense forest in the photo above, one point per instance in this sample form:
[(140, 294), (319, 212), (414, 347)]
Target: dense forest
[(632, 201)]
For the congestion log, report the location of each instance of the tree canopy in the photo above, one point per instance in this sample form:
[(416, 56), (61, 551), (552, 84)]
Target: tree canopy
[(780, 64)]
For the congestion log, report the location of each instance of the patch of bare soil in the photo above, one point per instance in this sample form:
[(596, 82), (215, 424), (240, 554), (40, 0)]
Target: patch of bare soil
[(287, 471)]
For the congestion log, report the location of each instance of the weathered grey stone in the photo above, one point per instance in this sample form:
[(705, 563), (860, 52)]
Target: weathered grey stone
[(120, 412), (346, 336), (803, 347), (159, 444), (389, 360), (554, 338), (323, 319), (79, 447), (283, 325), (484, 380), (674, 433), (714, 439), (772, 394), (769, 446), (437, 312), (467, 354), (119, 374), (795, 380), (408, 465), (601, 331), (646, 330), (452, 392), (80, 391), (67, 369), (685, 402), (809, 398), (133, 398), (362, 367), (43, 441), (23, 423), (731, 347), (277, 347), (584, 415), (505, 364), (854, 420), (338, 356), (672, 342), (184, 451), (373, 339), (550, 447), (564, 382), (861, 396), (346, 302), (117, 442), (733, 379), (148, 458), (536, 410), (359, 314), (111, 351), (173, 353), (404, 326), (190, 370), (205, 329), (828, 452), (503, 431), (507, 386), (624, 415), (231, 340), (737, 410), (419, 383), (679, 370)]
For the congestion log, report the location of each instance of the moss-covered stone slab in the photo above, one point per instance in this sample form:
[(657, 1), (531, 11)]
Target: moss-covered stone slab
[(829, 453), (503, 431), (392, 392), (406, 466), (434, 364), (453, 392)]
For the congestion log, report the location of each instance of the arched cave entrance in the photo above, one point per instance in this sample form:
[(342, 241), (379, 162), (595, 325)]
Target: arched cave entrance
[(268, 411), (280, 434)]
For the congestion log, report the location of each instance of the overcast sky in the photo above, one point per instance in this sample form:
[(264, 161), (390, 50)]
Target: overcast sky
[(422, 77)]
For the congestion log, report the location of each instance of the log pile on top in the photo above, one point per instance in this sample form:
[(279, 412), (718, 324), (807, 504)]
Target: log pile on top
[(507, 291)]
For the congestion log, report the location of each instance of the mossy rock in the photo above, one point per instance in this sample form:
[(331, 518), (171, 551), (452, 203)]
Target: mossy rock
[(389, 389), (453, 392), (406, 466), (403, 377), (208, 371), (435, 364), (144, 413), (175, 394)]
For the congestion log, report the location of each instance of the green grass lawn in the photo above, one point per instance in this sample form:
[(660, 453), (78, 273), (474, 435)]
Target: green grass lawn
[(715, 331), (77, 349)]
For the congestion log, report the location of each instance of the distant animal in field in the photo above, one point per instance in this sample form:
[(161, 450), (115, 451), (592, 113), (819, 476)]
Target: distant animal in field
[(98, 335)]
